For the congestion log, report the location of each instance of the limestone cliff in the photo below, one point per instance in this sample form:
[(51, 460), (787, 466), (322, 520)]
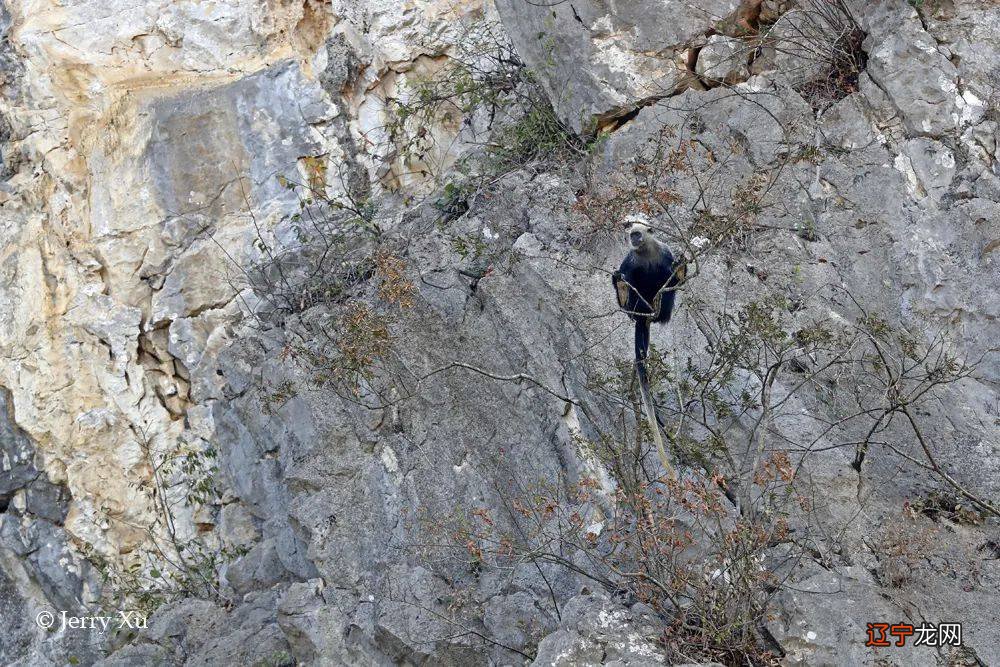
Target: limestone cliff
[(289, 285)]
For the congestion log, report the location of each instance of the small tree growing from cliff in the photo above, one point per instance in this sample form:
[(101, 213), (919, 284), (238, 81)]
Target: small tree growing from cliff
[(173, 562)]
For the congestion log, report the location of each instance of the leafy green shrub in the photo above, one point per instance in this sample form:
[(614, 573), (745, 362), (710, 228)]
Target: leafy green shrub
[(485, 82)]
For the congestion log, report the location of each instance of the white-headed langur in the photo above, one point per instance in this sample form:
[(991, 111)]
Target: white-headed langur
[(646, 285)]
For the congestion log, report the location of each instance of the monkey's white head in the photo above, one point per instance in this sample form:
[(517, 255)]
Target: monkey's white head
[(639, 234)]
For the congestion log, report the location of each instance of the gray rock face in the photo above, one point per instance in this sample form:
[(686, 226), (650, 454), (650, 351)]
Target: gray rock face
[(195, 632), (932, 164), (11, 67), (18, 631), (596, 631), (331, 495), (920, 80), (249, 442), (518, 621), (11, 70), (342, 66), (18, 455), (844, 125), (32, 512), (314, 628), (38, 571), (599, 59), (241, 118)]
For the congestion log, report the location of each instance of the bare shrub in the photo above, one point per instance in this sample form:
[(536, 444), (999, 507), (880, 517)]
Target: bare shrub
[(900, 547), (327, 279), (325, 251), (823, 36)]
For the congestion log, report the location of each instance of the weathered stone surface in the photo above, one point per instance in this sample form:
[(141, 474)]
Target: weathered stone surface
[(804, 630), (236, 525), (599, 59), (596, 631), (314, 628), (138, 655), (38, 570), (971, 34), (920, 80), (517, 622), (195, 632), (931, 164), (723, 60), (22, 482), (14, 614), (17, 452), (846, 125)]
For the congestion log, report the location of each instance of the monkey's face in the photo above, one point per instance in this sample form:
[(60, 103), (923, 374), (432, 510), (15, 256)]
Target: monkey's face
[(638, 235)]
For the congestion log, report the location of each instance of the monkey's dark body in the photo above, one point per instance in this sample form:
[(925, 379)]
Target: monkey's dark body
[(646, 276)]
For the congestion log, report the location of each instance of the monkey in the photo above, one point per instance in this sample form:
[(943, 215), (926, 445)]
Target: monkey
[(646, 286), (646, 283)]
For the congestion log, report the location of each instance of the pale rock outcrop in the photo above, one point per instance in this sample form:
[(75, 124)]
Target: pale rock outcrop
[(158, 127), (594, 630), (723, 59), (914, 71), (136, 141)]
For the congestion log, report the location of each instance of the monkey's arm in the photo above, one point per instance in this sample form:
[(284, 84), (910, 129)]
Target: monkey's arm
[(677, 276)]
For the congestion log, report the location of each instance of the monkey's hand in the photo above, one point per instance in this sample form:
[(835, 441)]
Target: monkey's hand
[(657, 303), (680, 272), (621, 288)]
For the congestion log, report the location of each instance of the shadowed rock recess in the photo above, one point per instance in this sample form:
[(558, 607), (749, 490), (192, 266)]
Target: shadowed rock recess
[(309, 352)]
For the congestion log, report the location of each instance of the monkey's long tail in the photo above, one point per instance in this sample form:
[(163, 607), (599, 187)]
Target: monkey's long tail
[(641, 349)]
